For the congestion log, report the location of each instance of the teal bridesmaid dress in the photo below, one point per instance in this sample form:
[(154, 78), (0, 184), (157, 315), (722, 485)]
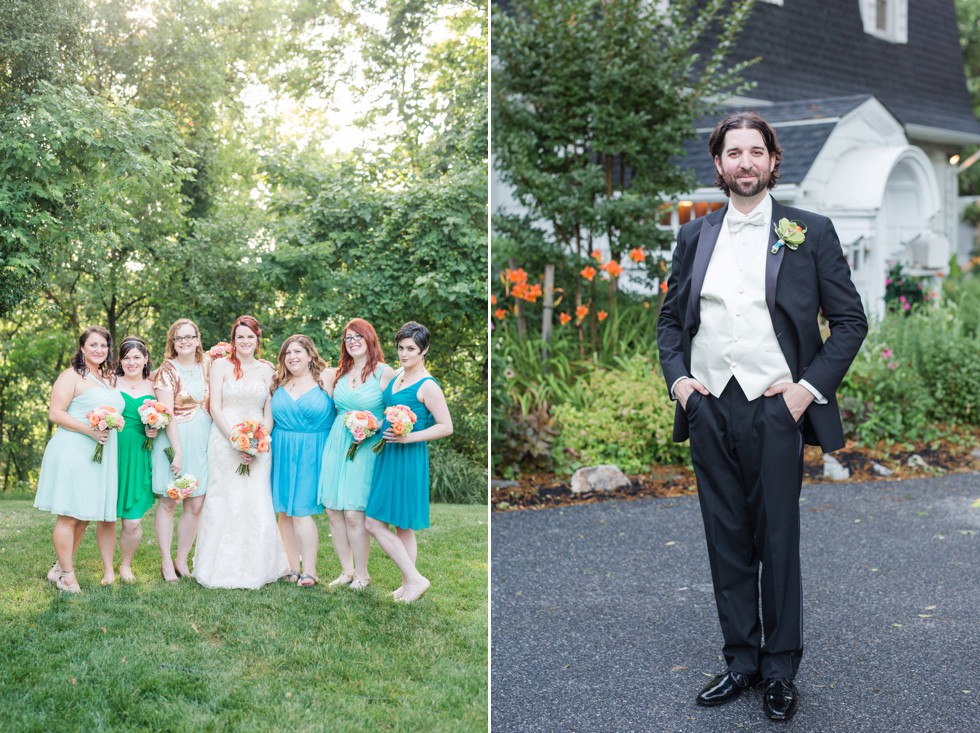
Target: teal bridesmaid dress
[(298, 439), (400, 488), (344, 484)]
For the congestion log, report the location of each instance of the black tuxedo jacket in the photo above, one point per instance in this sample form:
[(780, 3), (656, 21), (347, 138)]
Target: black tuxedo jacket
[(800, 284)]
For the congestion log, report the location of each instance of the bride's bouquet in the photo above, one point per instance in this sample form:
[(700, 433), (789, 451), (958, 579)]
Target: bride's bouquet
[(104, 418), (250, 437), (220, 350), (401, 420), (155, 415), (180, 488), (362, 425)]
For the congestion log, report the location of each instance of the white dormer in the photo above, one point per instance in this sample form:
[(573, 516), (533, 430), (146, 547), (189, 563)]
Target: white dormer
[(886, 19)]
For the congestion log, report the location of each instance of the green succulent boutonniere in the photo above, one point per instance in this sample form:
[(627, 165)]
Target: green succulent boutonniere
[(791, 234)]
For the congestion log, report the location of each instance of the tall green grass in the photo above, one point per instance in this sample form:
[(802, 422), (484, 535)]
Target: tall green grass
[(179, 657)]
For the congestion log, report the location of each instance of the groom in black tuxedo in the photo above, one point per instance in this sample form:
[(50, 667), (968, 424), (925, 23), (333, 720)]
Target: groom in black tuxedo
[(742, 353)]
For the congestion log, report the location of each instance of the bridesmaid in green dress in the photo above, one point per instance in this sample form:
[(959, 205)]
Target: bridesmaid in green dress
[(135, 488), (72, 485), (344, 484), (400, 487)]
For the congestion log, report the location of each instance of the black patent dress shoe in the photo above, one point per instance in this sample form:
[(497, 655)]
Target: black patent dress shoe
[(726, 687), (780, 699)]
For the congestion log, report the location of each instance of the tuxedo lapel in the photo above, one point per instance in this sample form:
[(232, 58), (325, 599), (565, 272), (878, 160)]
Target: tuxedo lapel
[(773, 261), (707, 238)]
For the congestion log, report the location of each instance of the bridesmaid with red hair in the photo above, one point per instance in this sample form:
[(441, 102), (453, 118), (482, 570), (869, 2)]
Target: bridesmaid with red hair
[(344, 484)]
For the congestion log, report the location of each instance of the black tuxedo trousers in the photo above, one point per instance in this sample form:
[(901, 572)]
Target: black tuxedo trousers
[(748, 459)]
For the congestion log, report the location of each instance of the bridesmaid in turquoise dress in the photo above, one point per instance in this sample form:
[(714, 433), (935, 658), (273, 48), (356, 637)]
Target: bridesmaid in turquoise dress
[(302, 413), (135, 485), (182, 383), (72, 485), (344, 484), (400, 487)]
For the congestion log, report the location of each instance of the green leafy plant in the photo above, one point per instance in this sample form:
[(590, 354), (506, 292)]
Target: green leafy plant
[(623, 415)]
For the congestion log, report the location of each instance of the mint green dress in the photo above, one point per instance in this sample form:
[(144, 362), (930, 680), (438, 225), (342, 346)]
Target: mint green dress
[(135, 487), (344, 484), (71, 484)]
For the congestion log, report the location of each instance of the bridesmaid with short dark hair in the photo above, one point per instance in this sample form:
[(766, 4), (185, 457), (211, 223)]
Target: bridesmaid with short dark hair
[(72, 485), (400, 487)]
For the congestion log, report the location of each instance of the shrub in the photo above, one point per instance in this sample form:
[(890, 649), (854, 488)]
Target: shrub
[(622, 416), (883, 397), (454, 478)]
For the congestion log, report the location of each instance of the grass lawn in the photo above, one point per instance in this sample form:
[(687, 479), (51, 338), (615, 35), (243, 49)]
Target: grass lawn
[(176, 657)]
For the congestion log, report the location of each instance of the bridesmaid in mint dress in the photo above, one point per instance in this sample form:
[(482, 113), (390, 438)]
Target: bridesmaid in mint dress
[(72, 485), (135, 485), (400, 487), (302, 413), (344, 484), (182, 383)]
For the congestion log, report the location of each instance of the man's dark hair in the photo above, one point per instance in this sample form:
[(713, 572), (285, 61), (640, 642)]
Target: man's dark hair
[(751, 121)]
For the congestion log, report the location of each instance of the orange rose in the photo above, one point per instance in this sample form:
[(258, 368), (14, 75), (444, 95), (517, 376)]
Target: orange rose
[(243, 442), (263, 446), (152, 418)]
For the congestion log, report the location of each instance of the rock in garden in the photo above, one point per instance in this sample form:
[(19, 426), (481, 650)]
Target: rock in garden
[(881, 470), (976, 453), (833, 469), (917, 461), (598, 478), (499, 483)]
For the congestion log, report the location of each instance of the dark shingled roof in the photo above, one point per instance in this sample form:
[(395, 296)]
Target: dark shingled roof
[(813, 50)]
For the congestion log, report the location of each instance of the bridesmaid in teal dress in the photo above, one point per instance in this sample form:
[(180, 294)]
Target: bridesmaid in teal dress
[(400, 487), (344, 484), (72, 485), (135, 485), (302, 413)]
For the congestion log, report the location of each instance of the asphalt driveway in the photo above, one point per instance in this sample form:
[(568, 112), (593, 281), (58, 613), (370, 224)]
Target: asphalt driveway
[(603, 619)]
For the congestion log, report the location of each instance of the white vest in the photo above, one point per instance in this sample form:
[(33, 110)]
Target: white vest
[(736, 337)]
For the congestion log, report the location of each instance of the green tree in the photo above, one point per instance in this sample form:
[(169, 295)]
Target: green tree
[(591, 102)]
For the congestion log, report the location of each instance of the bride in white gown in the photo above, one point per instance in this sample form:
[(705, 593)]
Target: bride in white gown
[(239, 545)]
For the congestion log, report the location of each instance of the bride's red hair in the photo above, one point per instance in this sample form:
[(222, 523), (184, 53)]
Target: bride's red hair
[(252, 325), (374, 354)]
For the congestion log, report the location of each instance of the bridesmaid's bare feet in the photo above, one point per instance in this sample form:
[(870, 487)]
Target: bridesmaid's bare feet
[(414, 591), (108, 578), (398, 592), (169, 574), (126, 575)]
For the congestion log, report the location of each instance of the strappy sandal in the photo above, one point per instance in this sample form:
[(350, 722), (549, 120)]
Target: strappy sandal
[(291, 577), (360, 583), (307, 581), (342, 579), (66, 587)]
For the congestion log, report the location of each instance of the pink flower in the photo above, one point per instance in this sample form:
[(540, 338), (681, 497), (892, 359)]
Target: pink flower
[(102, 424), (907, 306), (893, 365), (888, 281), (886, 354)]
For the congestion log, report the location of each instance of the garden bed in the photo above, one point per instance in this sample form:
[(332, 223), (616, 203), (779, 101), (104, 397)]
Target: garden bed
[(541, 490)]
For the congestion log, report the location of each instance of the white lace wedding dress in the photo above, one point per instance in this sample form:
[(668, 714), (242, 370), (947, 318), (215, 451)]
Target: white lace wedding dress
[(238, 545)]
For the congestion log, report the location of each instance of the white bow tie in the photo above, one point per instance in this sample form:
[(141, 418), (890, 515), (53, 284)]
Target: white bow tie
[(737, 221)]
